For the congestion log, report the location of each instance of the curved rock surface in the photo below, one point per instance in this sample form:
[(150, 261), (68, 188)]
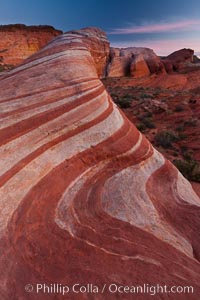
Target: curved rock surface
[(84, 197), (19, 41)]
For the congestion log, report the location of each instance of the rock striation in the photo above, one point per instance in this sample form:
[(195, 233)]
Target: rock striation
[(84, 197), (19, 41)]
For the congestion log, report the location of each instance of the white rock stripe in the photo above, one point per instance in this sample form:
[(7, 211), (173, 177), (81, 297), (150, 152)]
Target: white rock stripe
[(131, 203), (69, 194), (29, 142), (31, 174), (25, 102), (8, 121), (82, 51)]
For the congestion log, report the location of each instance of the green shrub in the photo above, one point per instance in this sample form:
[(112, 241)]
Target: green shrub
[(144, 95), (166, 138), (190, 168), (149, 124), (141, 127), (147, 120), (123, 103)]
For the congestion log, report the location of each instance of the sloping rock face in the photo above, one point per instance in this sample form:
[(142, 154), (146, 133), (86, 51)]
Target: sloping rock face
[(176, 60), (118, 65), (84, 197), (19, 41), (122, 61), (138, 67)]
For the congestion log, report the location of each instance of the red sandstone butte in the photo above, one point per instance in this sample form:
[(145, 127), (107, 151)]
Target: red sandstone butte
[(19, 41), (84, 197), (134, 61)]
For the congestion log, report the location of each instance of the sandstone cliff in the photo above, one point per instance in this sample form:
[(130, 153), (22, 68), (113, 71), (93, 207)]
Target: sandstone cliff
[(84, 197), (19, 41)]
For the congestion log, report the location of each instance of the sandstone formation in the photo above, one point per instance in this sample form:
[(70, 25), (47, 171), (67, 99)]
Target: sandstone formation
[(98, 45), (19, 41), (84, 197), (122, 62), (138, 67), (176, 60)]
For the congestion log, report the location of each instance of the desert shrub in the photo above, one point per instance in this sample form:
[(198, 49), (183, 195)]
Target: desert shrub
[(147, 121), (182, 136), (183, 148), (123, 102), (113, 95), (148, 114), (180, 128), (175, 153), (190, 168), (179, 108), (192, 122), (144, 95), (141, 127), (165, 138)]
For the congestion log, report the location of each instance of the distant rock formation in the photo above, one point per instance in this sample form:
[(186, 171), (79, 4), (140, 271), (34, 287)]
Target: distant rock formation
[(176, 60), (124, 61), (84, 197), (20, 41), (138, 66)]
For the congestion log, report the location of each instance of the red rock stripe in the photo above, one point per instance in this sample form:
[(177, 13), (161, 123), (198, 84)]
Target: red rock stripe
[(46, 90), (21, 164), (47, 101), (25, 126)]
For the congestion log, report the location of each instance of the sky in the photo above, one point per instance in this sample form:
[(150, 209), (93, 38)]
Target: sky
[(164, 26)]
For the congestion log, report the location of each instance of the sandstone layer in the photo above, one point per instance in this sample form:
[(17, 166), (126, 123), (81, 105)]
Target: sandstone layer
[(19, 41), (84, 197)]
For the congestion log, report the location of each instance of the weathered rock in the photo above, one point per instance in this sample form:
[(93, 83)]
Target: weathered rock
[(98, 45), (84, 197), (19, 41), (138, 66), (119, 66), (176, 60), (121, 59)]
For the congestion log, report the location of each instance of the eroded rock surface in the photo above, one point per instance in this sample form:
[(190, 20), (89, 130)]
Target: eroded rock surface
[(84, 197), (134, 61), (138, 67), (178, 59), (17, 42)]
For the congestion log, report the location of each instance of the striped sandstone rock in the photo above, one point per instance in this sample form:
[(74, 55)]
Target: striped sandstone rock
[(84, 197)]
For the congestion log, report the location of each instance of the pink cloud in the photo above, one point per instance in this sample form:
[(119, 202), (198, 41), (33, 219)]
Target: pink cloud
[(162, 47), (158, 27)]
